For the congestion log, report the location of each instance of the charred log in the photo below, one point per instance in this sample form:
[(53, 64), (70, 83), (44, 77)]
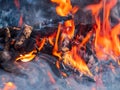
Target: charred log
[(23, 40)]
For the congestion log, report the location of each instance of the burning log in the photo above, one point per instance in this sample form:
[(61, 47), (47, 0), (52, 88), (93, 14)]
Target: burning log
[(26, 35), (15, 37)]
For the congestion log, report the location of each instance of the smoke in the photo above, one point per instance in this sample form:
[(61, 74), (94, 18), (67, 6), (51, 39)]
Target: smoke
[(32, 11), (34, 76)]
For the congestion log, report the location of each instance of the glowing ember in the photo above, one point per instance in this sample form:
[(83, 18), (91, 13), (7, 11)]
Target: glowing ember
[(27, 57), (10, 86)]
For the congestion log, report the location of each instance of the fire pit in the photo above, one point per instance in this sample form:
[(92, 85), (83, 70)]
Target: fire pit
[(59, 44)]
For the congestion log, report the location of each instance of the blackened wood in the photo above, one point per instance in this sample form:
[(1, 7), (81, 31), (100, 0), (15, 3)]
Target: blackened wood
[(25, 34)]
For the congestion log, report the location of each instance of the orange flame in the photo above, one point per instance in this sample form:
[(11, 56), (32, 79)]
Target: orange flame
[(51, 38), (70, 28), (40, 44), (107, 42), (84, 41), (64, 7), (55, 49), (94, 8)]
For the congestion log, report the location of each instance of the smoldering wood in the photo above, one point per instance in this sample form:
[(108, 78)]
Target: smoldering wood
[(19, 36)]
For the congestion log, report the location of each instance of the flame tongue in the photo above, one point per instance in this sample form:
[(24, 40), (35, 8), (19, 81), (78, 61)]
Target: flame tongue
[(106, 37), (72, 58), (64, 7)]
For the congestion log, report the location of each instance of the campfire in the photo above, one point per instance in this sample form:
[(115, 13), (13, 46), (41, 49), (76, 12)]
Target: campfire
[(71, 48)]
